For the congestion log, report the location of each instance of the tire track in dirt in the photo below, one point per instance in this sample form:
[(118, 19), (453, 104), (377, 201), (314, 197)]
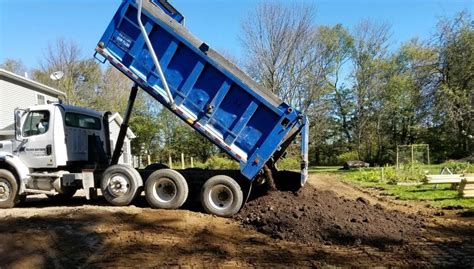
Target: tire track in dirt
[(88, 234)]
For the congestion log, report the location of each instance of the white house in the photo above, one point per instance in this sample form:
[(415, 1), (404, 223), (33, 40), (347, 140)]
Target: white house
[(20, 92), (115, 121)]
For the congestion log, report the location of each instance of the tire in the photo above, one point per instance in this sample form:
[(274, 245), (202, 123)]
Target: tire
[(120, 184), (167, 189), (66, 195), (8, 189), (222, 196)]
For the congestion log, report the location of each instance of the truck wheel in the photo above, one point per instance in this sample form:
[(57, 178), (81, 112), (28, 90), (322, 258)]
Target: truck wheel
[(120, 184), (167, 189), (222, 196), (8, 189)]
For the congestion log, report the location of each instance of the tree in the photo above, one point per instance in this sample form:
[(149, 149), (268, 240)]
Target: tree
[(14, 66), (113, 92), (328, 101), (81, 75), (175, 137), (368, 54), (454, 93), (275, 48), (146, 128), (294, 59), (339, 43)]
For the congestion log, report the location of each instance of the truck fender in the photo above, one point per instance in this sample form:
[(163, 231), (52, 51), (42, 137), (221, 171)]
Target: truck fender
[(19, 167)]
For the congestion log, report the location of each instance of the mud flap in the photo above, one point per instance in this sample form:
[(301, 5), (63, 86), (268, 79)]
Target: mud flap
[(304, 151), (88, 184)]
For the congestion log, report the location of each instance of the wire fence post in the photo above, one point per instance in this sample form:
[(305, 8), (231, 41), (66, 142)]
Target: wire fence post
[(182, 161)]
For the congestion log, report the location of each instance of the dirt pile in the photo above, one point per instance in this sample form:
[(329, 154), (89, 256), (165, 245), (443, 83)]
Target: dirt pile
[(313, 216)]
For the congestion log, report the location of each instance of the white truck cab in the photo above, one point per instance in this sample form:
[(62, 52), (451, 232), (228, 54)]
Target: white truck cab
[(58, 149), (52, 136)]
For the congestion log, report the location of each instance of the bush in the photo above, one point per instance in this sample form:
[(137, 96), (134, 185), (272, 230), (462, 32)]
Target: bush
[(288, 164), (409, 172), (347, 156), (389, 175), (369, 175), (219, 163), (457, 167)]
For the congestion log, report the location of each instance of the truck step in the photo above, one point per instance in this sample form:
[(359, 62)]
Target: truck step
[(40, 191)]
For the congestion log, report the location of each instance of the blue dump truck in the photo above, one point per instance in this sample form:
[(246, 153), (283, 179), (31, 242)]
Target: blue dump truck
[(148, 42)]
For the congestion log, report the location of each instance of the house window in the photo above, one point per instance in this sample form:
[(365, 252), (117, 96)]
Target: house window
[(40, 100)]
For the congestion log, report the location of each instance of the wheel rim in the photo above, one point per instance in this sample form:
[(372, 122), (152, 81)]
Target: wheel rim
[(118, 185), (5, 190), (221, 197), (164, 190)]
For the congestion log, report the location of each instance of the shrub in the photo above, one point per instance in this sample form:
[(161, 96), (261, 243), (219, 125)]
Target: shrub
[(288, 164), (389, 174), (372, 175), (457, 167), (217, 162), (347, 156)]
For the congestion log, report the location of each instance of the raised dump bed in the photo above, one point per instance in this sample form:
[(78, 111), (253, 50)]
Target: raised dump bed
[(208, 92)]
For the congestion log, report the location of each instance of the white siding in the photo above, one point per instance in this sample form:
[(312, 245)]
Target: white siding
[(114, 130), (15, 95)]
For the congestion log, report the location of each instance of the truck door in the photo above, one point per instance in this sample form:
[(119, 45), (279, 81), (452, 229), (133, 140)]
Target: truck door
[(37, 134)]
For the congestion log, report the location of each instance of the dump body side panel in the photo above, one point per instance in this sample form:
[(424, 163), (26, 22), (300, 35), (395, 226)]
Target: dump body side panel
[(211, 94)]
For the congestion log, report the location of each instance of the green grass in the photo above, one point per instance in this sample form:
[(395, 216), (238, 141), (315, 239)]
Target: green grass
[(442, 196)]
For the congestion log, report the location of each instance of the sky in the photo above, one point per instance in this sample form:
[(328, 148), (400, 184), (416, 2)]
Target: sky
[(28, 26)]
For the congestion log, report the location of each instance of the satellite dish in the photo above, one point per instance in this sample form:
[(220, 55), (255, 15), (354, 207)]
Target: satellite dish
[(56, 75)]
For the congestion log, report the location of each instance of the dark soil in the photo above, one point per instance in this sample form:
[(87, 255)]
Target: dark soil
[(314, 216)]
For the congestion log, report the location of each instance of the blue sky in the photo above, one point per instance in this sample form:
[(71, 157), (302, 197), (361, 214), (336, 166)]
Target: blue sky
[(27, 26)]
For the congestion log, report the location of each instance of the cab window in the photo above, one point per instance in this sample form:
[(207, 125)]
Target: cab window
[(82, 121), (37, 122)]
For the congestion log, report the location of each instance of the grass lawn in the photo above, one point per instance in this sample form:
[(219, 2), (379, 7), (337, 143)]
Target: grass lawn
[(441, 197)]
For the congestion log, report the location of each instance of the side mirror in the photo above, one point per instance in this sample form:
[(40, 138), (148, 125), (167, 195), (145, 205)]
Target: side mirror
[(18, 113)]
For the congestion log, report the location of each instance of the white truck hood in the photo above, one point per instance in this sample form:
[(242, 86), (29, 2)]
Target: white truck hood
[(6, 146)]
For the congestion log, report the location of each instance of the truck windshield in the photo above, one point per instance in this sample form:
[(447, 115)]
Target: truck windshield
[(37, 122)]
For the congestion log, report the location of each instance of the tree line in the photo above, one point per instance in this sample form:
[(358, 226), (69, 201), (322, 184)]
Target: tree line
[(363, 96)]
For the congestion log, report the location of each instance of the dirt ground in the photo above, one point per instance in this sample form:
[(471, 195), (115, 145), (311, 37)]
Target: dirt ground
[(327, 223)]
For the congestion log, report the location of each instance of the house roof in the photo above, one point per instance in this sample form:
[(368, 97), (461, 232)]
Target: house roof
[(8, 130), (31, 83), (118, 119)]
